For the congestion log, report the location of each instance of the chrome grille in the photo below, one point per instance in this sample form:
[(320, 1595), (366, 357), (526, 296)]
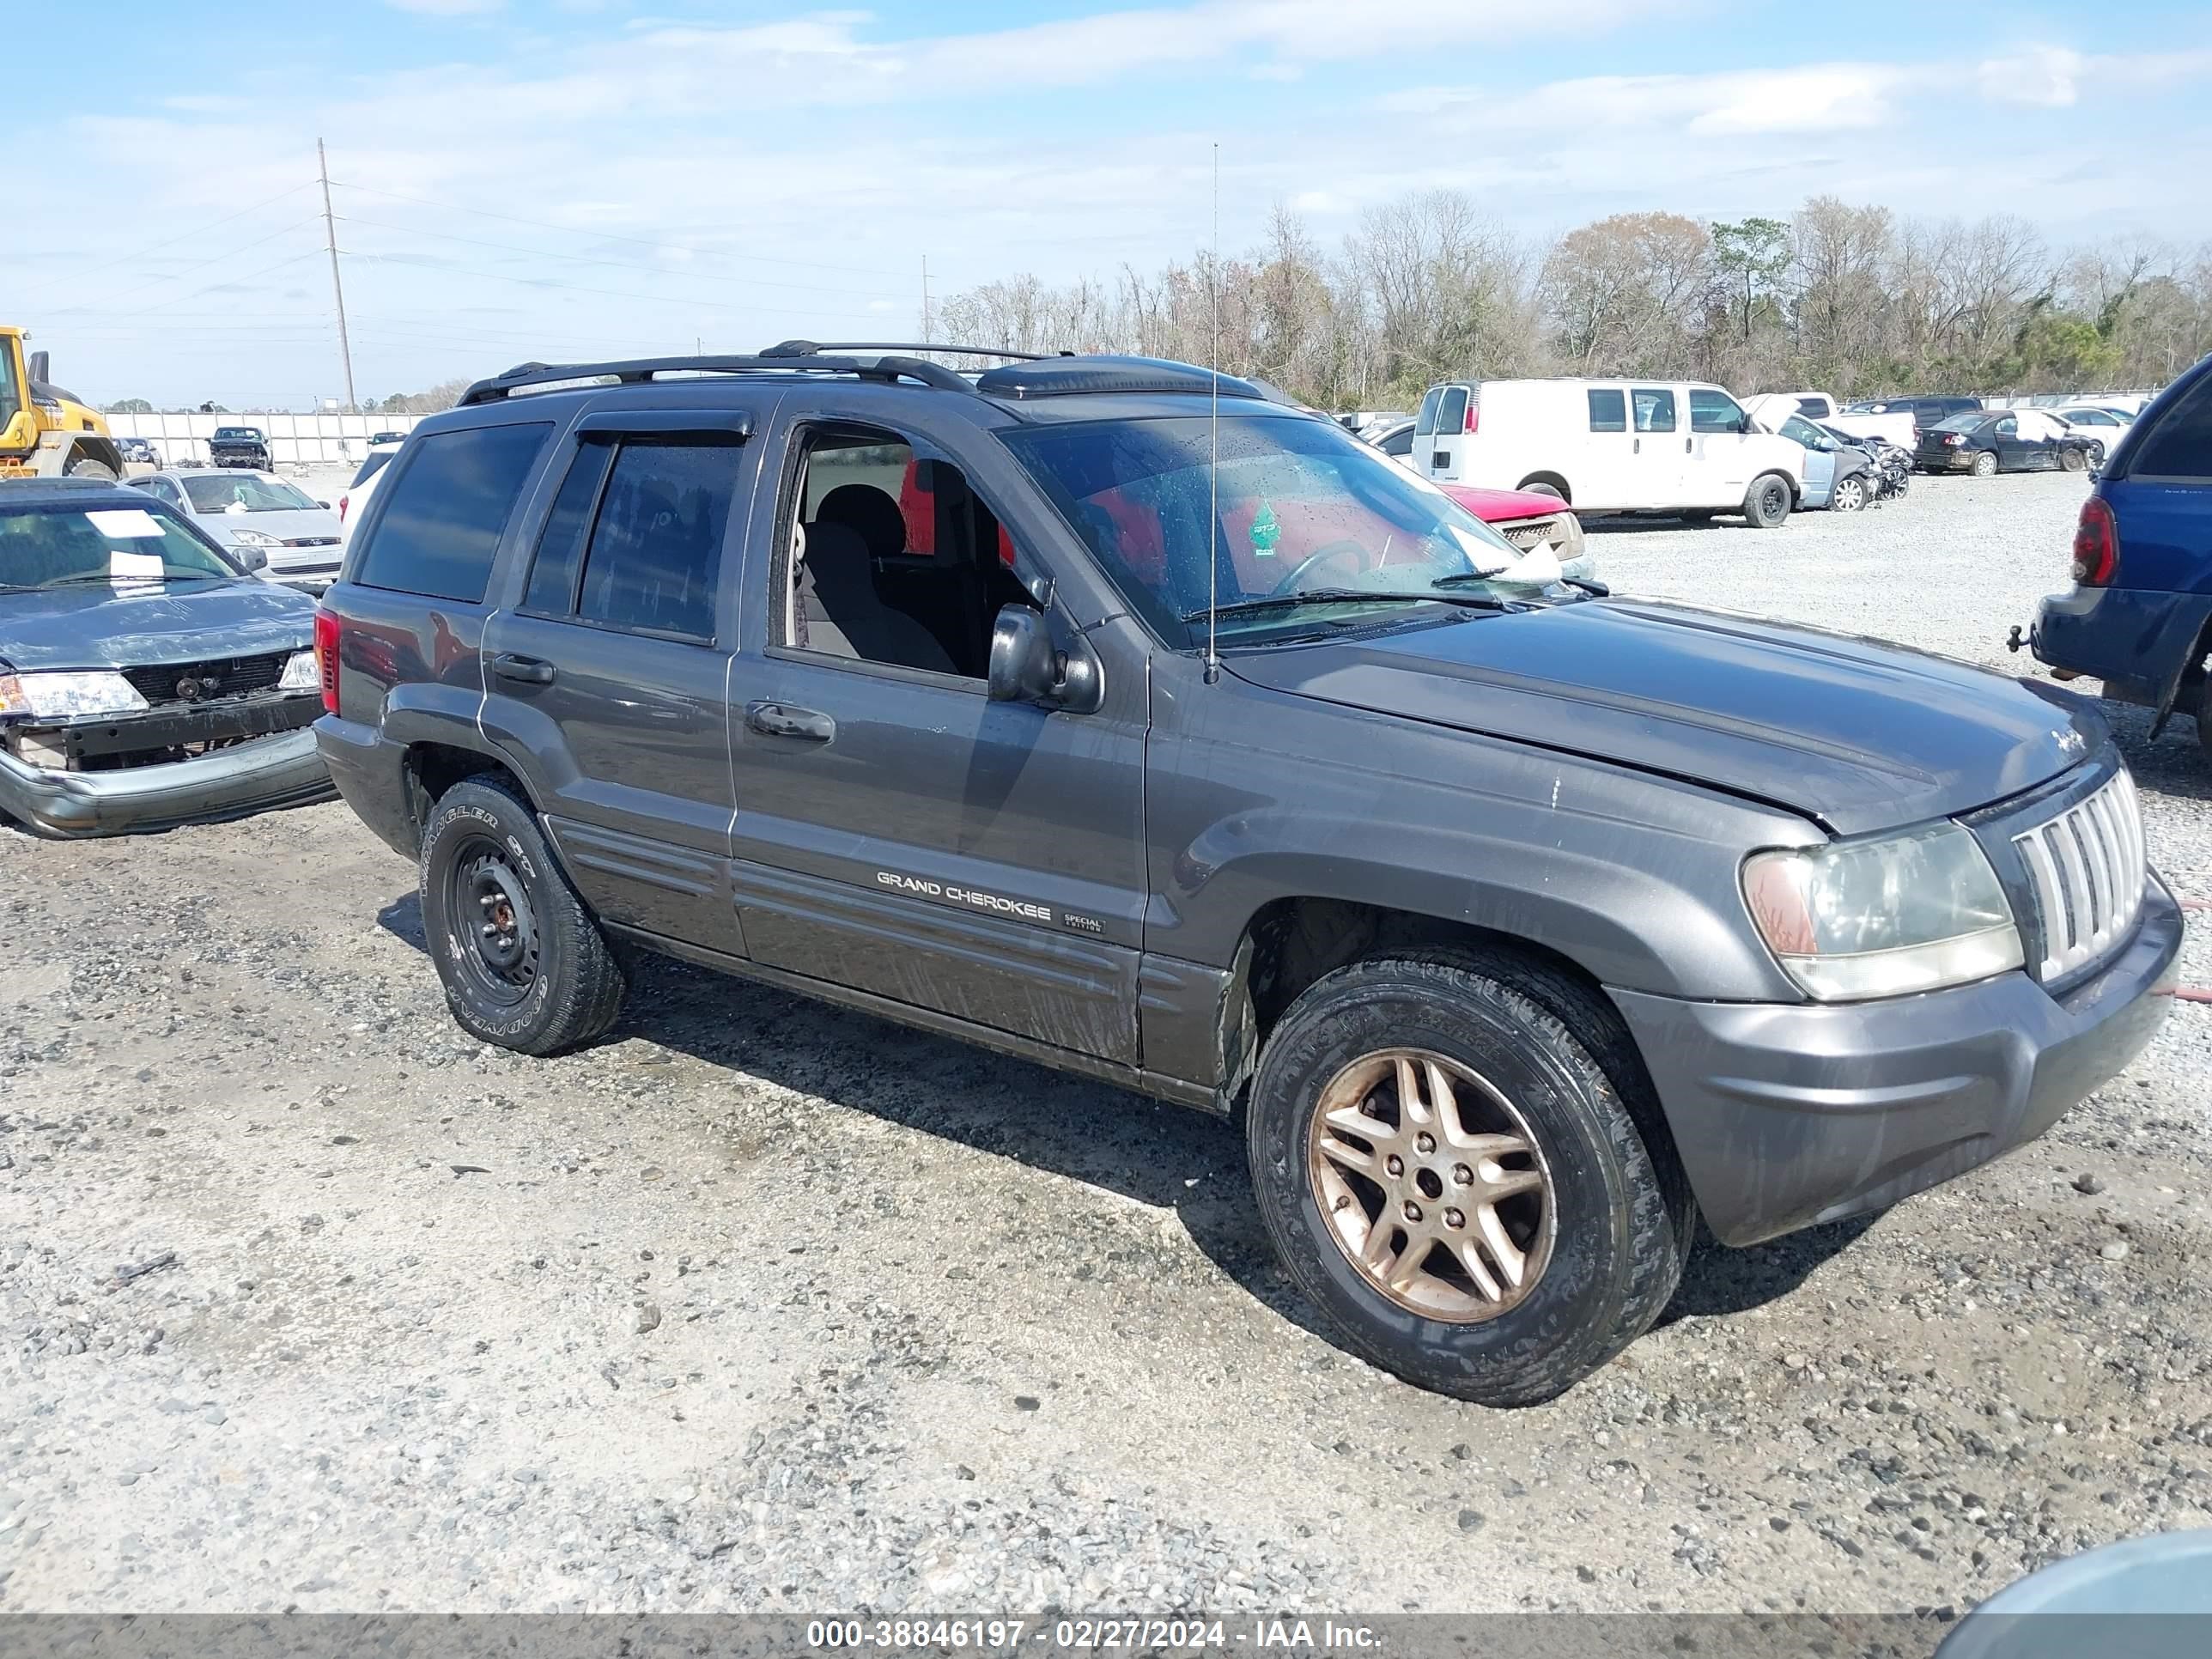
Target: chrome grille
[(1533, 532), (2087, 867)]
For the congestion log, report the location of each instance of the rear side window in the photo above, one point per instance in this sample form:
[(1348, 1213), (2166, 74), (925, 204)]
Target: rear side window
[(444, 512), (656, 545), (1818, 408), (1716, 411), (1451, 413), (2179, 444), (1654, 409), (1425, 421), (1608, 411)]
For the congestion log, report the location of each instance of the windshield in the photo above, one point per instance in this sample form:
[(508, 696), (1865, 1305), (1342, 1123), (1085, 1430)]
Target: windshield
[(246, 492), (1966, 422), (1305, 508), (50, 545), (238, 434), (1801, 430)]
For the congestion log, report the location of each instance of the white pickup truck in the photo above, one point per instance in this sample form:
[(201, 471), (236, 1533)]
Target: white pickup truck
[(1769, 408)]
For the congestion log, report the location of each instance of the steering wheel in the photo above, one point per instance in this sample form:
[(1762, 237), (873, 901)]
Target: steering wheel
[(1335, 549)]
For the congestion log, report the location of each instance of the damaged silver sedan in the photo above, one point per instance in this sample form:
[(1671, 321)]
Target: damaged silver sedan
[(147, 680)]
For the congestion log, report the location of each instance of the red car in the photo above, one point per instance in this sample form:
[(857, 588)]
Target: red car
[(1527, 518)]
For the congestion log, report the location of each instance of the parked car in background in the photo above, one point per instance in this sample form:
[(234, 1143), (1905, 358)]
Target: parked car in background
[(1523, 517), (145, 678), (1838, 474), (1892, 463), (2096, 419), (382, 449), (2139, 614), (138, 452), (261, 518), (377, 438), (1987, 441), (1926, 411), (1610, 447), (240, 446), (1768, 408)]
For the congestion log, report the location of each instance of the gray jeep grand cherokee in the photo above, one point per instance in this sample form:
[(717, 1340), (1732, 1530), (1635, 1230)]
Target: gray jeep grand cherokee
[(1521, 924)]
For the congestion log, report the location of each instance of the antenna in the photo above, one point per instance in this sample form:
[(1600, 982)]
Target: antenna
[(1213, 434)]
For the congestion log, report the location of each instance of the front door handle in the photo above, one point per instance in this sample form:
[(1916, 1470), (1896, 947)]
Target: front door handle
[(530, 671), (1637, 447), (1686, 442), (780, 720)]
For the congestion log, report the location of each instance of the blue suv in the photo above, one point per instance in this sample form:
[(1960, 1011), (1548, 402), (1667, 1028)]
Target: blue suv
[(2140, 614)]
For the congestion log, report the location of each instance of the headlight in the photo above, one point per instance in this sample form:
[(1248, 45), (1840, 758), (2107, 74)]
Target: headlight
[(59, 696), (301, 673), (255, 538), (1914, 912)]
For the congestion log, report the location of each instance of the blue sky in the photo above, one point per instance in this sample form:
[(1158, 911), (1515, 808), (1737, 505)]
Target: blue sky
[(594, 178)]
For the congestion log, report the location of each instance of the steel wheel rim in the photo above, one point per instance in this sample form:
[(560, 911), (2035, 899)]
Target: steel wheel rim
[(1771, 502), (1447, 1209), (494, 926)]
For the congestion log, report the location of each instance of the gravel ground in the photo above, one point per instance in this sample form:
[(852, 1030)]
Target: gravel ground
[(310, 1301)]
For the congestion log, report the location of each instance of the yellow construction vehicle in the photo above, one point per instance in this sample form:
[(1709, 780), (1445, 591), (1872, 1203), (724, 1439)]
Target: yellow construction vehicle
[(45, 433)]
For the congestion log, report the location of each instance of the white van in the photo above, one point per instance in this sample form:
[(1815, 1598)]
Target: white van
[(1610, 447)]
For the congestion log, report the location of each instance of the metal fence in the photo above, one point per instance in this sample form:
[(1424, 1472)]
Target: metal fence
[(293, 440)]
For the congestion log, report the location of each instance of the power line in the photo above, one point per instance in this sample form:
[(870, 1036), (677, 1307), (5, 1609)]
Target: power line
[(148, 311), (177, 276), (78, 274), (611, 236), (620, 264), (578, 288)]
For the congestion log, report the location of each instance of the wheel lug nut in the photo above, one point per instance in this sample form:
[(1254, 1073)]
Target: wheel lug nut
[(1461, 1175), (1453, 1219), (1394, 1164), (1412, 1210), (1425, 1142)]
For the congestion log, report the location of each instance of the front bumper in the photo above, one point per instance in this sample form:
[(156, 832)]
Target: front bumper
[(1786, 1115), (284, 770)]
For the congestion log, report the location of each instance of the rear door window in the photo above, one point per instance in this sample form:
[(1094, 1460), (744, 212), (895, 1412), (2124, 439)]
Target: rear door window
[(443, 514), (1425, 421), (2179, 444), (1609, 409), (654, 556), (1451, 413)]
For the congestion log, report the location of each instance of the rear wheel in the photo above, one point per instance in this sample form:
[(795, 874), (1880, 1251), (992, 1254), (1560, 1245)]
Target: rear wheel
[(86, 466), (1766, 503), (1985, 464), (1544, 487), (2074, 460), (1458, 1159), (523, 963)]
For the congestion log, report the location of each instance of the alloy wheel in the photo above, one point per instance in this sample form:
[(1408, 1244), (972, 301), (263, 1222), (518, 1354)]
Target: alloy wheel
[(1432, 1184)]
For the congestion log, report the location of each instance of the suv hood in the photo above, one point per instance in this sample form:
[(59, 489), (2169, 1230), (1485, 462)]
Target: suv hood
[(1853, 734), (184, 622)]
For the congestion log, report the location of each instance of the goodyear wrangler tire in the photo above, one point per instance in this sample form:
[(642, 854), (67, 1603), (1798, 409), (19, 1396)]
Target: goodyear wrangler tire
[(523, 963), (1459, 1158)]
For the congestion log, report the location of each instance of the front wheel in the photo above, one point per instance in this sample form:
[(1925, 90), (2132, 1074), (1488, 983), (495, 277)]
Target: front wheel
[(1850, 495), (1459, 1159), (1766, 503), (523, 963), (90, 468)]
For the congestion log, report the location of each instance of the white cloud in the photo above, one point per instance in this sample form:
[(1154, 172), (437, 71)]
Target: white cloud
[(446, 7)]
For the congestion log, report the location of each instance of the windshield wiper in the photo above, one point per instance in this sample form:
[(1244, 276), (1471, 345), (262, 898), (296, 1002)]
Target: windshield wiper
[(1356, 596), (1580, 584)]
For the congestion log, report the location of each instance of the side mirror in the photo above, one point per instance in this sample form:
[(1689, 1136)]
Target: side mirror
[(251, 557), (1747, 424), (325, 506), (1026, 666)]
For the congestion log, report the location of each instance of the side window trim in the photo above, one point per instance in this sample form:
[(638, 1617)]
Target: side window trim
[(606, 456)]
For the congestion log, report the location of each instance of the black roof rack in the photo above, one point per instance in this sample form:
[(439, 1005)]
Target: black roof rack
[(811, 348), (640, 371), (1071, 377)]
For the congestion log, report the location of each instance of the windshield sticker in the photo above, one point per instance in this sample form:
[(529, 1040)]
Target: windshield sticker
[(126, 524), (133, 569)]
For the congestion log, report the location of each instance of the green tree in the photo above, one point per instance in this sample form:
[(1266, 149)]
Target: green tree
[(1751, 255), (128, 406)]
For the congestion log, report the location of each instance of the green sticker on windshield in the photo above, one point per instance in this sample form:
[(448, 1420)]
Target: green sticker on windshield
[(1267, 530)]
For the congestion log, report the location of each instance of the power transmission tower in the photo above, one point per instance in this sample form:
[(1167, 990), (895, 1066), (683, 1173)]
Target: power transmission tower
[(337, 288)]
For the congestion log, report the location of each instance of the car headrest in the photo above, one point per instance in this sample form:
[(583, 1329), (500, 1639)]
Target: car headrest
[(871, 513)]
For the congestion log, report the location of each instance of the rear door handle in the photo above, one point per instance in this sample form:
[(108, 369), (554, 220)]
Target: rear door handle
[(530, 671), (779, 719)]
